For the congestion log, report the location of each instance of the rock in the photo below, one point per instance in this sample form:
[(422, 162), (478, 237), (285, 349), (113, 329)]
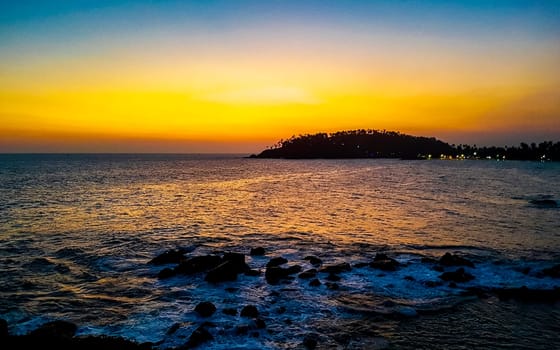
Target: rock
[(449, 259), (432, 284), (257, 251), (308, 274), (315, 283), (3, 328), (333, 277), (230, 311), (198, 264), (252, 272), (313, 260), (166, 273), (172, 256), (410, 278), (174, 328), (332, 285), (260, 324), (529, 295), (237, 260), (553, 271), (226, 271), (274, 274), (250, 311), (407, 311), (199, 336), (310, 341), (205, 309), (276, 262), (457, 276), (337, 268), (360, 265), (55, 329), (544, 203), (384, 263), (242, 329), (427, 260)]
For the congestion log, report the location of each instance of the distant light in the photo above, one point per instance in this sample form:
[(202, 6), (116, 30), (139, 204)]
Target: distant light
[(474, 153)]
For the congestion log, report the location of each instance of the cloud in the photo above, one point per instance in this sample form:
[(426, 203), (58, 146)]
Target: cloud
[(269, 95)]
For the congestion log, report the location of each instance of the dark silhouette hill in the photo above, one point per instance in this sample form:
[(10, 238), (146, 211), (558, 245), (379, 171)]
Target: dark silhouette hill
[(390, 144)]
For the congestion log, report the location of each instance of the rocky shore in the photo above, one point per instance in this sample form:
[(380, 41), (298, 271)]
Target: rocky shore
[(453, 271)]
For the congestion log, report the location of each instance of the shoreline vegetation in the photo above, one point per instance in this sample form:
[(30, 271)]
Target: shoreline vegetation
[(391, 144)]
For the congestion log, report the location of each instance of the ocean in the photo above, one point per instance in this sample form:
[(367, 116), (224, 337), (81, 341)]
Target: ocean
[(77, 233)]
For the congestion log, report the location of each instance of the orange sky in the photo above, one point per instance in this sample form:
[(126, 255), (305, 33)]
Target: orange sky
[(192, 88)]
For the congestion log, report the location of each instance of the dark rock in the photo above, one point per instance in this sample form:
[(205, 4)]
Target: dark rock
[(360, 265), (389, 303), (231, 289), (55, 329), (384, 263), (529, 295), (274, 262), (242, 329), (174, 328), (449, 259), (457, 276), (313, 260), (315, 283), (166, 273), (438, 268), (252, 272), (173, 256), (409, 278), (432, 284), (199, 336), (332, 285), (237, 260), (452, 285), (3, 328), (338, 268), (198, 264), (310, 341), (205, 309), (427, 260), (230, 311), (553, 271), (226, 271), (333, 277), (255, 334), (308, 274), (274, 274), (544, 203), (257, 251), (260, 324), (249, 311), (281, 310)]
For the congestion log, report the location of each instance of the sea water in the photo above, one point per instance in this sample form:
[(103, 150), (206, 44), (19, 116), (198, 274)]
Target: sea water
[(77, 232)]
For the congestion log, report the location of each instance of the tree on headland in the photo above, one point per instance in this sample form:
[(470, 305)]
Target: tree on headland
[(390, 144)]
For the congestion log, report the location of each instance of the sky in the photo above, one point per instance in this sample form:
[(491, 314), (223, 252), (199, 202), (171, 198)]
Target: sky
[(237, 76)]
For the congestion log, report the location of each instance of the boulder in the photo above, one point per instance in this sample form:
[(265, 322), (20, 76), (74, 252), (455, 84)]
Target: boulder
[(205, 309), (55, 329), (544, 203), (553, 271), (237, 260), (257, 251), (172, 256), (333, 277), (529, 295), (274, 274), (199, 336), (310, 341), (313, 260), (250, 311), (226, 271), (166, 273), (384, 263), (458, 276), (315, 283), (198, 264), (449, 259), (276, 262), (3, 328), (337, 268), (259, 323), (308, 274)]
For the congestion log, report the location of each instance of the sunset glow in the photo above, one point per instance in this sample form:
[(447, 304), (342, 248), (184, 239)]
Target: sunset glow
[(174, 76)]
